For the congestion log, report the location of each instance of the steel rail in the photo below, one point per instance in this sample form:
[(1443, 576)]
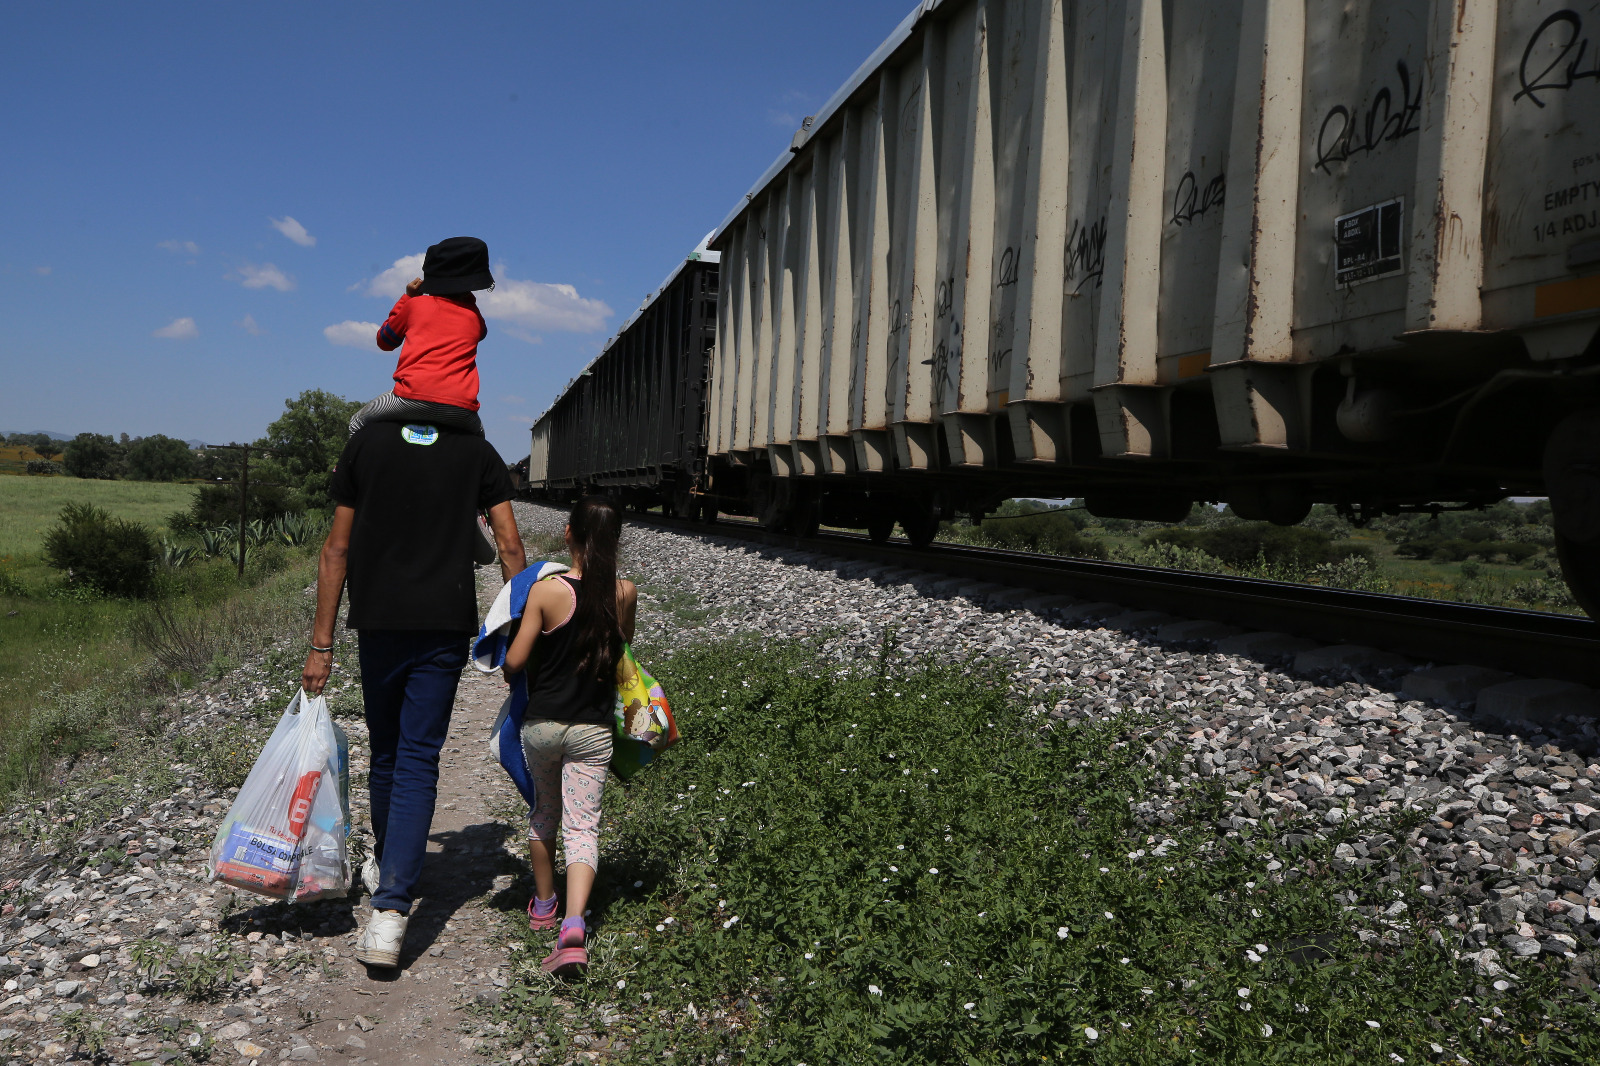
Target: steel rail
[(1532, 643)]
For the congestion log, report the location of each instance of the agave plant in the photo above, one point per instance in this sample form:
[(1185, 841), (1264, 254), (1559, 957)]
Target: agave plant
[(296, 530), (218, 540), (176, 556)]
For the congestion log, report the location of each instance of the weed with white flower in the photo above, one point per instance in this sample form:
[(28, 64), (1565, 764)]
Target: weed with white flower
[(1015, 836)]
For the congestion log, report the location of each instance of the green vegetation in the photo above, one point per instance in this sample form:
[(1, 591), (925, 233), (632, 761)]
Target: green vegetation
[(83, 663), (31, 505), (116, 586), (1502, 555), (160, 458), (197, 975), (95, 455), (1248, 543), (903, 866), (305, 443), (89, 672), (98, 553)]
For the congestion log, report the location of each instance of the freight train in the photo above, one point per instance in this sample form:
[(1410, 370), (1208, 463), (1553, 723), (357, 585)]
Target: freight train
[(1143, 253)]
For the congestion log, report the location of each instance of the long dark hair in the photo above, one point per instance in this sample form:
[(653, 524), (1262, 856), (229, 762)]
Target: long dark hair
[(596, 527)]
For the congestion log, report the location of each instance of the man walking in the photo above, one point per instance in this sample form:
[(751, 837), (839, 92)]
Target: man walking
[(406, 497)]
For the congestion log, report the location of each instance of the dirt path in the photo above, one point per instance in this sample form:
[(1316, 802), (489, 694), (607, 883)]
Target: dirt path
[(456, 948), (74, 926)]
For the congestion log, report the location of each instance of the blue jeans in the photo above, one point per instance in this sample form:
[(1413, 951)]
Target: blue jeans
[(408, 682)]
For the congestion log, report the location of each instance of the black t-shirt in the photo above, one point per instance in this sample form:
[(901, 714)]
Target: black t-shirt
[(415, 490)]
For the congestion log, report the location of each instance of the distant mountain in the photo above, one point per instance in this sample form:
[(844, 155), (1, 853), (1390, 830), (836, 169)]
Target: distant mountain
[(195, 443)]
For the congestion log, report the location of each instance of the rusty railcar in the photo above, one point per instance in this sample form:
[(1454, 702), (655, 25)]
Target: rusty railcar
[(633, 421)]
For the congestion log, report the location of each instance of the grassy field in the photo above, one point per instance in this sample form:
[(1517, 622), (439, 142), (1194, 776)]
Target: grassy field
[(77, 670), (903, 868), (29, 505)]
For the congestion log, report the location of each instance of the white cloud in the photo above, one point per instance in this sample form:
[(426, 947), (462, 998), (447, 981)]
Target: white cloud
[(179, 329), (187, 247), (248, 324), (392, 282), (265, 276), (41, 270), (522, 419), (525, 305), (352, 334), (508, 398), (540, 305), (293, 230)]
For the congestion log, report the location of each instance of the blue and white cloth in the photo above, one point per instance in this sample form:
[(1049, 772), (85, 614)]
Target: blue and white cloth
[(489, 654)]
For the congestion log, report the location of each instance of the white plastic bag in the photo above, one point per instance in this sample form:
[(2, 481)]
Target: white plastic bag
[(286, 834)]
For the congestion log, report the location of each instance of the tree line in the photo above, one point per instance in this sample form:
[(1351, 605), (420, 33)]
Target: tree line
[(102, 457), (289, 466)]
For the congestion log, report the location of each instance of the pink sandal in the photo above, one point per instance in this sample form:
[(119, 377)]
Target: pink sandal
[(569, 958), (542, 921)]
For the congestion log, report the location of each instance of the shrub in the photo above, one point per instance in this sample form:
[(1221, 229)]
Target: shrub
[(43, 466), (1456, 549), (1243, 545), (218, 505), (97, 551), (1050, 533)]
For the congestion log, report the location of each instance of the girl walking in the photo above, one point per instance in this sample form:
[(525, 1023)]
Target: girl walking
[(566, 651)]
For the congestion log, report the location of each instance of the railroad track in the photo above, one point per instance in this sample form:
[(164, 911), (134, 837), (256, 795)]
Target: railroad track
[(1531, 643)]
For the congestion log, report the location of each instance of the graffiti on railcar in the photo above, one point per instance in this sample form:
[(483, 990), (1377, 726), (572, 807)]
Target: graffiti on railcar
[(1554, 76), (1008, 268), (1086, 253), (1192, 200), (1345, 133)]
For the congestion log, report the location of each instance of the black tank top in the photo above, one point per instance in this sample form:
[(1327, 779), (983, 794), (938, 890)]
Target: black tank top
[(555, 689)]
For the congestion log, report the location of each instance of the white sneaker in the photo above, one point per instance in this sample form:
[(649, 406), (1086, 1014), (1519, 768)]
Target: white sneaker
[(380, 940), (370, 873)]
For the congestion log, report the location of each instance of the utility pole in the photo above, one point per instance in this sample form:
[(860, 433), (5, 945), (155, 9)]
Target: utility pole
[(244, 504), (244, 493)]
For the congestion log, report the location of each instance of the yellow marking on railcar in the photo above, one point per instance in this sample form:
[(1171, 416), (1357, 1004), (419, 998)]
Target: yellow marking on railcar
[(1192, 366), (1566, 297)]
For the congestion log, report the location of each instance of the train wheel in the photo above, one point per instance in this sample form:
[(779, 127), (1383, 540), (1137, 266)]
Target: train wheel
[(1580, 566), (879, 526), (921, 525), (773, 499), (1572, 478), (807, 517)]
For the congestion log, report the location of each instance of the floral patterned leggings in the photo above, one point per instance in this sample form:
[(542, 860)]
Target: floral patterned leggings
[(568, 762)]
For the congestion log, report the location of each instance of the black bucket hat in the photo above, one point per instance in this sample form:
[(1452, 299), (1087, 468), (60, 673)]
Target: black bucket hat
[(456, 265)]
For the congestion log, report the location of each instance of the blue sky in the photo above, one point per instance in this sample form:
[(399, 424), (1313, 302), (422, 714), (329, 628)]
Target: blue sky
[(194, 194)]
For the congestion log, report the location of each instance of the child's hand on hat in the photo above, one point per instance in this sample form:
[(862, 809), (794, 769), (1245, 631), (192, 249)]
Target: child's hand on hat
[(413, 286)]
